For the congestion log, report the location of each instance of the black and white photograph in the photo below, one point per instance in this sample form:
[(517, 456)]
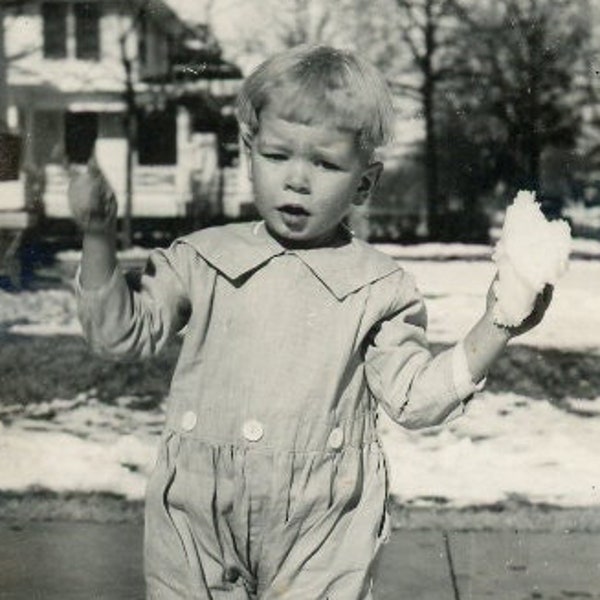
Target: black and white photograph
[(299, 299)]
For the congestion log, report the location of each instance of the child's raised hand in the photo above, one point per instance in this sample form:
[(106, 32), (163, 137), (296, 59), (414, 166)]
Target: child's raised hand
[(542, 302), (92, 200)]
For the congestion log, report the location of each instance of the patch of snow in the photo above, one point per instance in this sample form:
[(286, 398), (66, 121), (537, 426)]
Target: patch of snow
[(580, 247), (454, 291), (433, 251), (504, 446), (133, 253), (64, 462), (44, 312), (79, 445)]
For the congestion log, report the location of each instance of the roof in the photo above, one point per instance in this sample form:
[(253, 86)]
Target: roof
[(162, 15), (198, 54)]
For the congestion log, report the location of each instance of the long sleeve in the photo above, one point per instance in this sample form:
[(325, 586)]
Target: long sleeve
[(414, 387), (134, 318)]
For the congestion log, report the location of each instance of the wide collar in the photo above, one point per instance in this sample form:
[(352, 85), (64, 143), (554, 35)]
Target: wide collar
[(240, 249)]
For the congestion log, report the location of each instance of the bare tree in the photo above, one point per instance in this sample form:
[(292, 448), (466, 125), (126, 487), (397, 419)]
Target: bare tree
[(5, 6), (277, 24), (427, 29), (3, 74), (129, 117)]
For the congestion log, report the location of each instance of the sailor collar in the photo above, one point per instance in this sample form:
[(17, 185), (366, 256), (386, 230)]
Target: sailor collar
[(239, 250)]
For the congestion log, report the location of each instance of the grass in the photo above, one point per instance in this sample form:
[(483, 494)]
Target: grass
[(37, 369)]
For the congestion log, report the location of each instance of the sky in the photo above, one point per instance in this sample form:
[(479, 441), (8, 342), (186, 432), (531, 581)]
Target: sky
[(506, 446)]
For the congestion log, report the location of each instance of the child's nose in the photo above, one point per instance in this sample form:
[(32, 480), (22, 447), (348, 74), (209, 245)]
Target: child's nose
[(297, 178)]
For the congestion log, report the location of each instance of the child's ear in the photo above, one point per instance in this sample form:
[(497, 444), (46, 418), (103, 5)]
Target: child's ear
[(368, 182)]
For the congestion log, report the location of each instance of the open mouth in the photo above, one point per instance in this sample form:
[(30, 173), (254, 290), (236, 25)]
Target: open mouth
[(294, 210), (294, 216)]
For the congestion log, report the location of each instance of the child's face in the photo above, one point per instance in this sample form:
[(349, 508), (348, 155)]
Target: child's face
[(306, 177)]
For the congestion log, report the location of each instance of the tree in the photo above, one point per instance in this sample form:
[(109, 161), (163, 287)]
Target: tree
[(519, 79), (5, 5), (255, 29), (427, 29), (3, 74)]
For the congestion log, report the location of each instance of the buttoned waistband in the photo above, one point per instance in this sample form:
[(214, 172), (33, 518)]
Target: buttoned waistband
[(326, 433)]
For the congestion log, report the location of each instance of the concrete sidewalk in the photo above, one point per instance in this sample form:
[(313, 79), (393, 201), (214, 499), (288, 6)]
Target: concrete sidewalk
[(85, 561)]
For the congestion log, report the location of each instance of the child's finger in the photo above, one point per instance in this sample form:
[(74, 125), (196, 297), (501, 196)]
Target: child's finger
[(542, 302), (546, 295)]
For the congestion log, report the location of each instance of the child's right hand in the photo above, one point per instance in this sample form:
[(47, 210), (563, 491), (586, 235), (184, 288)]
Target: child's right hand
[(92, 200), (542, 302)]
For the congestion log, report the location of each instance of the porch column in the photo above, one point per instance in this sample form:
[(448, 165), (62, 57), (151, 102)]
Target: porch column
[(185, 159)]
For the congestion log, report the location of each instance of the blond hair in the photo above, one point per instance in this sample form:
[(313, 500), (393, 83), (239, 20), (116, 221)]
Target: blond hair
[(319, 84)]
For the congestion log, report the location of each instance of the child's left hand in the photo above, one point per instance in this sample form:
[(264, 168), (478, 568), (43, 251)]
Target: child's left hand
[(535, 316)]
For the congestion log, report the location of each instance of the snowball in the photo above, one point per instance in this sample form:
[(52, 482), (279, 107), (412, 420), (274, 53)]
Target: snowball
[(530, 253)]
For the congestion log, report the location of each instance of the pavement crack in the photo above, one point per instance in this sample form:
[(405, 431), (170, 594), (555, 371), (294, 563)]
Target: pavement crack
[(451, 566)]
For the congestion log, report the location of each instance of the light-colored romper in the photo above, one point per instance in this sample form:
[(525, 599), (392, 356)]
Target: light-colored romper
[(270, 480)]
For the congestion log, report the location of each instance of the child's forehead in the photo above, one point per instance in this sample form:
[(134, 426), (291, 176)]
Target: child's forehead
[(312, 104), (273, 124), (318, 133)]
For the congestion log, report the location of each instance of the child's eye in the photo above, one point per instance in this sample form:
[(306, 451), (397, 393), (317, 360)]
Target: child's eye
[(274, 156), (327, 165)]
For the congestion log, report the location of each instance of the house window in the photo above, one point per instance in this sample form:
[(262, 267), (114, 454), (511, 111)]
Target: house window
[(157, 137), (54, 15), (87, 31), (81, 131), (71, 30)]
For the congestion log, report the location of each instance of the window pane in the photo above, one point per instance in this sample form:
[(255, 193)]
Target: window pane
[(87, 31), (157, 137), (81, 131), (54, 15)]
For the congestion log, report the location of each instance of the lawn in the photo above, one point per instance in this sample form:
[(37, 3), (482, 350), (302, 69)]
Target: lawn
[(39, 368), (513, 451)]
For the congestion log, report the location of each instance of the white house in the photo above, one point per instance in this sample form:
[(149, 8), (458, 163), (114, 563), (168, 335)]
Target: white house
[(79, 71)]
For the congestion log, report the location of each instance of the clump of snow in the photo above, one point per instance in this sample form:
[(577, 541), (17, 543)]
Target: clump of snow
[(530, 253)]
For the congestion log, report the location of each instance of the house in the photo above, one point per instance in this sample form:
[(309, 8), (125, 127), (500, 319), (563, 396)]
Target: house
[(129, 81)]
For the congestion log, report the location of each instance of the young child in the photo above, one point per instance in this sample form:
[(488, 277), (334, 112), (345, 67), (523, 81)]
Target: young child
[(270, 480)]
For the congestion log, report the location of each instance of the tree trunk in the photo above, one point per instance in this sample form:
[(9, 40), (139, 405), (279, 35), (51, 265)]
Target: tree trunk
[(431, 162), (431, 166), (129, 126), (3, 76)]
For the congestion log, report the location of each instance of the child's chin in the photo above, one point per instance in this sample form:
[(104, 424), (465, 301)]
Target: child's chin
[(291, 238)]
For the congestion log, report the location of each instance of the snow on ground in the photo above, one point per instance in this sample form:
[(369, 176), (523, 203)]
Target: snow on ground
[(505, 446), (79, 445)]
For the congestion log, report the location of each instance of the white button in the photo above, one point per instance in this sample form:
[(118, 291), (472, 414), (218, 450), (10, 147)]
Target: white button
[(189, 420), (336, 438), (252, 430)]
